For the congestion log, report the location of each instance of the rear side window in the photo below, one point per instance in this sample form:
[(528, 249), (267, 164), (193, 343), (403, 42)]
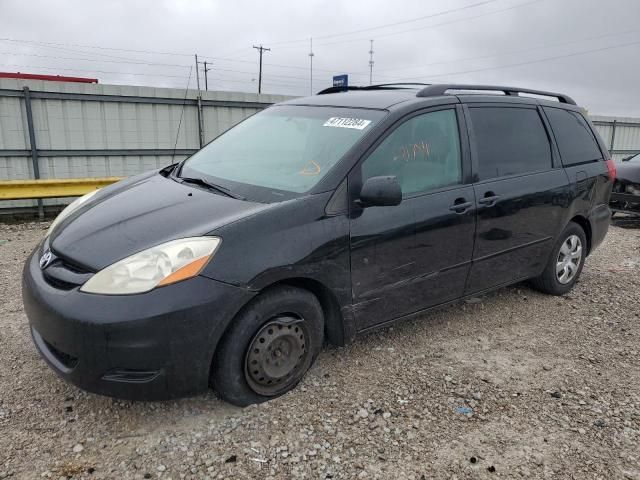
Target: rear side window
[(574, 137), (509, 141)]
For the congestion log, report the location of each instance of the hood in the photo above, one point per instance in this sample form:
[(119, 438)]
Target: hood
[(141, 212), (628, 172)]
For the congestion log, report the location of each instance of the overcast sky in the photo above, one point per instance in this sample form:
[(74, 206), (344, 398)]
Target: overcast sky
[(589, 49)]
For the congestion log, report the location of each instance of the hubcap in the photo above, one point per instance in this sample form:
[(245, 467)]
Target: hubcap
[(569, 259), (276, 355)]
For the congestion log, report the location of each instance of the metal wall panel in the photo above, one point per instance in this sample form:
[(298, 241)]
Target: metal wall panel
[(605, 132), (624, 131), (13, 131), (627, 138)]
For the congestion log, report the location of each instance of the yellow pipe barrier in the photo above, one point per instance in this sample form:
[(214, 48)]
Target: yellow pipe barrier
[(55, 187)]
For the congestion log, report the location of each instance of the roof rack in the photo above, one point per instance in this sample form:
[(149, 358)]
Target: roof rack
[(442, 89), (381, 86), (398, 84)]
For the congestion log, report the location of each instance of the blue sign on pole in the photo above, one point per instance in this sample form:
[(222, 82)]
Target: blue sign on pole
[(341, 81)]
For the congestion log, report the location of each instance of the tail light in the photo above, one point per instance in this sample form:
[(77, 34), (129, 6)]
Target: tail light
[(611, 166)]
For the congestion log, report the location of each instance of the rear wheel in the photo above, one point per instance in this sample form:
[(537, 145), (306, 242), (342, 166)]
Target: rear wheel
[(565, 263), (269, 347)]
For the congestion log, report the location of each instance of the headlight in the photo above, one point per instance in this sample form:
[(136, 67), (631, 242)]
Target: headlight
[(69, 209), (164, 264)]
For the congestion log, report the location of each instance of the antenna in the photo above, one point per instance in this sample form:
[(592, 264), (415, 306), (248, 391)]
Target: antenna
[(311, 66), (371, 63), (184, 101), (261, 49)]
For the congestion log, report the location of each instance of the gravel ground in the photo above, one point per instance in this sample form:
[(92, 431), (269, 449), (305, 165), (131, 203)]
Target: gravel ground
[(512, 384)]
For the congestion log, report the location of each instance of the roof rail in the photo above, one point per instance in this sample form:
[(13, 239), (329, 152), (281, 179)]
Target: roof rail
[(381, 86), (397, 84), (337, 90), (441, 89)]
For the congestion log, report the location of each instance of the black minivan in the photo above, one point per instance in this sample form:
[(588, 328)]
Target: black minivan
[(317, 219)]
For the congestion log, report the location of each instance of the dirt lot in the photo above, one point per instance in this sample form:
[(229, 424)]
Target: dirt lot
[(551, 386)]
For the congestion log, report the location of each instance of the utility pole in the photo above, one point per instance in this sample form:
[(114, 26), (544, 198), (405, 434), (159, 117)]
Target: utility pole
[(261, 49), (371, 63), (311, 65), (197, 73), (206, 83), (199, 98)]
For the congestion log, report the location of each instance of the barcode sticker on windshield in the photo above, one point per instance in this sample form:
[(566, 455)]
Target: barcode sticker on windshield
[(357, 123)]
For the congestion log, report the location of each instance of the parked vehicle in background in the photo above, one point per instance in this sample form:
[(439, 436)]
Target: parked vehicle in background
[(316, 220), (625, 197)]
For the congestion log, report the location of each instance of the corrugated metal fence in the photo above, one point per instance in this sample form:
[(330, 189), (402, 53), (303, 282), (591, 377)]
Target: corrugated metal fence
[(67, 130), (622, 135)]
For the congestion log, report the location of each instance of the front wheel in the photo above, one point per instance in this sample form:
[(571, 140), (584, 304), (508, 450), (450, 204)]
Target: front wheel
[(565, 263), (269, 346)]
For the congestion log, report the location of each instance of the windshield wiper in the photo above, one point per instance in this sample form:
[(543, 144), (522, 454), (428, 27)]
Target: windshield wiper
[(212, 186)]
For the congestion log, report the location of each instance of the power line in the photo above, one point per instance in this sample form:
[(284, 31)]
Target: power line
[(153, 64), (124, 73), (127, 60), (37, 44), (387, 25), (154, 52), (94, 71), (511, 52), (450, 22), (518, 64)]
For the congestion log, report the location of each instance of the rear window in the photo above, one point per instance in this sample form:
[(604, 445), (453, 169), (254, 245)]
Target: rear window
[(509, 141), (574, 137)]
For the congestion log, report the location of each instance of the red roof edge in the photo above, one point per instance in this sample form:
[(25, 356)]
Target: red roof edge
[(51, 78)]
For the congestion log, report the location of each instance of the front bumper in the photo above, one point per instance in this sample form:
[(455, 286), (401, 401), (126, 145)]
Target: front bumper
[(625, 203), (152, 346)]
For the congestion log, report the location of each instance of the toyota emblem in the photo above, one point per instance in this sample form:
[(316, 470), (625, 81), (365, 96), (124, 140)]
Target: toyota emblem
[(46, 259)]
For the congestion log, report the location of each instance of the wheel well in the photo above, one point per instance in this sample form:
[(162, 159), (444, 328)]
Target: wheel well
[(584, 223), (333, 319)]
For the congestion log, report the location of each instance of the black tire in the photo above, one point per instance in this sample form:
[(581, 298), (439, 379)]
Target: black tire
[(278, 317), (549, 282)]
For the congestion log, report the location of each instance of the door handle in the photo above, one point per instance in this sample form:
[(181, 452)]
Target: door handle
[(460, 205), (489, 199)]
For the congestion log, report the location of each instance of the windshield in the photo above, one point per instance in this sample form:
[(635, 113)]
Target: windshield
[(635, 158), (280, 152)]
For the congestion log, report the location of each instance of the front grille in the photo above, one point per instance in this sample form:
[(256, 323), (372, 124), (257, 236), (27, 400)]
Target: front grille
[(58, 283), (64, 274), (67, 360), (73, 267)]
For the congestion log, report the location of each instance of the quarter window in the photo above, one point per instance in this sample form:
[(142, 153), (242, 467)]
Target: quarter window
[(509, 141), (423, 153), (574, 137)]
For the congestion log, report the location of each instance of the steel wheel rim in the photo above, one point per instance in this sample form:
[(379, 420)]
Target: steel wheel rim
[(276, 355), (569, 259)]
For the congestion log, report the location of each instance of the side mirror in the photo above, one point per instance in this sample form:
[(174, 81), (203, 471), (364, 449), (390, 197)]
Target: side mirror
[(381, 192)]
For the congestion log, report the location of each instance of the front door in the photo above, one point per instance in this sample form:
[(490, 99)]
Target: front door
[(520, 194), (417, 254)]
